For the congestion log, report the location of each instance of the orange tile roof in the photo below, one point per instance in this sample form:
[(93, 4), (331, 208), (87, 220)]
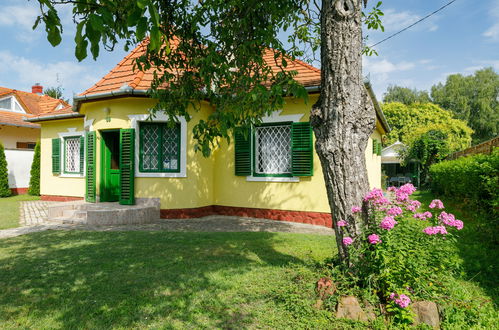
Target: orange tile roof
[(33, 103), (10, 118), (124, 74)]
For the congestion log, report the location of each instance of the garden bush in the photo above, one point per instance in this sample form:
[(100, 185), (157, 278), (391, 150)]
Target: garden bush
[(4, 174), (34, 180), (403, 255), (471, 180)]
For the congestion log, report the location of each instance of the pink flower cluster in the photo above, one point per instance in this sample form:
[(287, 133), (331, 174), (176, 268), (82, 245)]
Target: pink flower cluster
[(341, 223), (388, 223), (402, 194), (423, 216), (347, 241), (449, 220), (413, 206), (435, 230), (374, 239), (436, 203), (394, 211), (376, 197), (356, 209), (401, 300)]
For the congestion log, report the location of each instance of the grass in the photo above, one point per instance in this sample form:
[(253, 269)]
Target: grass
[(9, 206), (98, 280), (79, 279), (473, 298)]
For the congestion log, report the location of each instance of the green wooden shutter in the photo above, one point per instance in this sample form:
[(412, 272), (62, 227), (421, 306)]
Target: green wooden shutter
[(302, 158), (375, 146), (56, 156), (90, 179), (380, 147), (82, 155), (242, 147), (127, 166)]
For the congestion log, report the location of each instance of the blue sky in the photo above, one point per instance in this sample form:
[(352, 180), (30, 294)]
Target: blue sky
[(460, 39)]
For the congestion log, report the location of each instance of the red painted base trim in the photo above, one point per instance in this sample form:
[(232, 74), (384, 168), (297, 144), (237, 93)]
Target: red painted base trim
[(53, 198), (19, 191), (314, 218)]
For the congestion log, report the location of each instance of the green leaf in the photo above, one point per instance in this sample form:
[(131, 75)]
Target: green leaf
[(81, 50), (142, 3), (154, 38), (96, 22), (141, 28), (38, 19)]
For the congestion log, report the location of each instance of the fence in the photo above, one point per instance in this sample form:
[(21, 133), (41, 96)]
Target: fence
[(482, 148), (19, 166)]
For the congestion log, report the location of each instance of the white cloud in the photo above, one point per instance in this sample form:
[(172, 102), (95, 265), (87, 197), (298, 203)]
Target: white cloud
[(384, 66), (74, 77), (492, 33), (394, 21), (21, 18)]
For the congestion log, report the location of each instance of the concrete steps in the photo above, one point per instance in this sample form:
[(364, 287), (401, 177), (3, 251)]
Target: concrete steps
[(145, 210)]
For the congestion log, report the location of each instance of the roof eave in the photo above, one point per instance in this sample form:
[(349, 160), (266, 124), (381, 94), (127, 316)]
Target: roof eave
[(54, 117), (78, 99), (19, 125)]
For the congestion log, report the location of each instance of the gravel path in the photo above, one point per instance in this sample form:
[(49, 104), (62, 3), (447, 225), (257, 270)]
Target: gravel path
[(206, 224)]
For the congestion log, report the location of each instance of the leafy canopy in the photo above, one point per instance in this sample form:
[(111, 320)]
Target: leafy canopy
[(410, 122), (208, 50), (474, 99), (405, 95)]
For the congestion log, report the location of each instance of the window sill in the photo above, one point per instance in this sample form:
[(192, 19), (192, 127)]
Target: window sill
[(160, 175), (272, 179), (69, 175)]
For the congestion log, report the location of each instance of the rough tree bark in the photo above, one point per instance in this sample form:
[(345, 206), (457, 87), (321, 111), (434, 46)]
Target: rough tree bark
[(343, 118)]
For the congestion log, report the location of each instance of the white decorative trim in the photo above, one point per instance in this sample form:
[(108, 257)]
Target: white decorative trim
[(252, 178), (71, 132), (276, 117), (160, 117), (88, 124)]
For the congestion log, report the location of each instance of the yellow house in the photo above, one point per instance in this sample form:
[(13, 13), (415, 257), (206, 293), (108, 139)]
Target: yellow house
[(108, 149)]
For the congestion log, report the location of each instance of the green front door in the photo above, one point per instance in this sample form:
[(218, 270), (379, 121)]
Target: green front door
[(110, 166)]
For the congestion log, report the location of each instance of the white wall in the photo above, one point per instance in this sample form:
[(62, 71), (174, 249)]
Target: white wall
[(19, 166)]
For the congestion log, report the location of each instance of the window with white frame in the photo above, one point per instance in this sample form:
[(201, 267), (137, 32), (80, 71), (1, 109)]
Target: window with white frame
[(72, 155), (159, 147), (272, 144), (10, 104)]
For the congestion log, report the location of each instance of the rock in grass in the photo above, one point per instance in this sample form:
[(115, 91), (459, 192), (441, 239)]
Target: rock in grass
[(426, 312), (349, 308)]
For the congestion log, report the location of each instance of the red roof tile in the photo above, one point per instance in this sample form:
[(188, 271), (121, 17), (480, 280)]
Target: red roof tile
[(124, 73), (10, 118)]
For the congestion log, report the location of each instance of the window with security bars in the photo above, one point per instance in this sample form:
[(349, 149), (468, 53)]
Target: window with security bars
[(159, 147), (72, 154), (273, 150)]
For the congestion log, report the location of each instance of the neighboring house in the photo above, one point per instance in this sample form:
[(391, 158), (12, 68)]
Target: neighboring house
[(18, 136), (109, 150), (395, 171)]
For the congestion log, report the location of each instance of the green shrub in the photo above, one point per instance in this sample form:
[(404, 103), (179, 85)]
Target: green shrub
[(4, 174), (471, 180), (34, 181)]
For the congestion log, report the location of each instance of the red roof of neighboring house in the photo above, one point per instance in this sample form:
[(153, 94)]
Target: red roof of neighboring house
[(124, 74), (33, 104)]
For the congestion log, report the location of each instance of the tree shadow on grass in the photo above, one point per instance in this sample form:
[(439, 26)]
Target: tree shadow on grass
[(130, 279)]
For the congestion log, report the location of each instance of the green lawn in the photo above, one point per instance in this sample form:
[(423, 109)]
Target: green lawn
[(98, 280), (9, 210)]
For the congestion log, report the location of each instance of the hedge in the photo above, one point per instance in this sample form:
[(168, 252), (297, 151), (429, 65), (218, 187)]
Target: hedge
[(34, 181), (4, 174), (472, 180)]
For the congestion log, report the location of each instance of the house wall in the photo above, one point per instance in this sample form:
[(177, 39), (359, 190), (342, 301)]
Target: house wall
[(193, 191), (308, 194), (10, 135), (52, 184), (210, 185)]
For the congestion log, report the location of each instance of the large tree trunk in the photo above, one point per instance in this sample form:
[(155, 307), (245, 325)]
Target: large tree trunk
[(343, 118)]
